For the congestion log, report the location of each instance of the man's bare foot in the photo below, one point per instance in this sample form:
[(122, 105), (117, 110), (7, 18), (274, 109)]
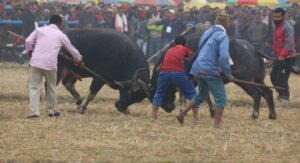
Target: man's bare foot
[(180, 119), (217, 126), (196, 121)]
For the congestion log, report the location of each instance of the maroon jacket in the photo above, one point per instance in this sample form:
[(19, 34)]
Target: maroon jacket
[(284, 40)]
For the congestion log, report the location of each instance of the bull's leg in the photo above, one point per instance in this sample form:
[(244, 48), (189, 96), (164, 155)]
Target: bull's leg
[(268, 96), (69, 84), (94, 89), (255, 93)]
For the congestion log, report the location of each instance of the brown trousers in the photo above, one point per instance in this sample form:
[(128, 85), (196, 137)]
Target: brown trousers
[(35, 81)]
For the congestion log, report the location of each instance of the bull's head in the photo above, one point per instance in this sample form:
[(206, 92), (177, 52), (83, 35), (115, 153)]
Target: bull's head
[(134, 90)]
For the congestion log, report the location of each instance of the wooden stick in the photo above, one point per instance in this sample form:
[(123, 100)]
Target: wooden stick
[(241, 81), (166, 46)]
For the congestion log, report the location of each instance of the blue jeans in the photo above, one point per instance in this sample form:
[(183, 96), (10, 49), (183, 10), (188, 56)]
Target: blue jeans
[(217, 89), (179, 79)]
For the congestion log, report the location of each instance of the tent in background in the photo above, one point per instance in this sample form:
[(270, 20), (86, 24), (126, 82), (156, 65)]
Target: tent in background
[(146, 2), (269, 3), (201, 3)]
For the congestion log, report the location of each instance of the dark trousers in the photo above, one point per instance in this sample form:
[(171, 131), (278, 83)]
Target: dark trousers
[(280, 75)]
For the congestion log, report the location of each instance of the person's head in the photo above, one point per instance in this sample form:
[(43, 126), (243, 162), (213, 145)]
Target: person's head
[(171, 13), (223, 20), (258, 17), (57, 20), (120, 11), (88, 8), (180, 40), (278, 15)]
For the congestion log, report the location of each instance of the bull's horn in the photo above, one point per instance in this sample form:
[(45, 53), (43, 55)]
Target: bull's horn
[(123, 84), (137, 72), (135, 82)]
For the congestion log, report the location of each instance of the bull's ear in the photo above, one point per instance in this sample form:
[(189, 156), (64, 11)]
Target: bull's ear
[(123, 84)]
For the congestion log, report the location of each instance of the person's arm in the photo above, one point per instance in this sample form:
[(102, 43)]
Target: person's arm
[(30, 42), (161, 22), (266, 31), (288, 43), (224, 56), (189, 52), (66, 43)]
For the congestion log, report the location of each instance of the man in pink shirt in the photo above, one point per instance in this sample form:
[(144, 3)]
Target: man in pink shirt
[(44, 44)]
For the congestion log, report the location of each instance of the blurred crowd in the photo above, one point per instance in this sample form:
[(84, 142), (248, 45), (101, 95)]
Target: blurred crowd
[(151, 27)]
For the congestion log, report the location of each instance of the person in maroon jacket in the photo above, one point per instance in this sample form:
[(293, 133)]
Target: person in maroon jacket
[(284, 47), (172, 72)]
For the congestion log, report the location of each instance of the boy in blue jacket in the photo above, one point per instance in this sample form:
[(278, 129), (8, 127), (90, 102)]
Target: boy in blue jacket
[(213, 56)]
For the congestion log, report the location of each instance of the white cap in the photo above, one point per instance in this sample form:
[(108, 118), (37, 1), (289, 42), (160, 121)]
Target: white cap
[(172, 11)]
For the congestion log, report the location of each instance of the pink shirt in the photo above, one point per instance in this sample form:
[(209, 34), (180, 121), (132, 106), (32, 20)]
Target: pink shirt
[(46, 43)]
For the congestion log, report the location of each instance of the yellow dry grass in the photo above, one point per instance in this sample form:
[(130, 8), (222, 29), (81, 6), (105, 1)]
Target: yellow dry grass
[(104, 135)]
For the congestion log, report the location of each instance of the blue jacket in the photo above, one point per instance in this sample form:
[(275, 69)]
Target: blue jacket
[(214, 54)]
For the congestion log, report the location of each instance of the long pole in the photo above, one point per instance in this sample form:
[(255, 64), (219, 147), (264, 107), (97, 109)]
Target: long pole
[(166, 46), (241, 81)]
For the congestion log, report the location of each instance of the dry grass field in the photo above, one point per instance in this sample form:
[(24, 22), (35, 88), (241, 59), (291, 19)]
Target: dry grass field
[(104, 135)]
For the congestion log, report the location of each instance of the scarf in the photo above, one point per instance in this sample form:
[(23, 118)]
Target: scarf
[(121, 26)]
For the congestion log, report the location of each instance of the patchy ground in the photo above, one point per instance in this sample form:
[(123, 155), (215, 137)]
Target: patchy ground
[(103, 134)]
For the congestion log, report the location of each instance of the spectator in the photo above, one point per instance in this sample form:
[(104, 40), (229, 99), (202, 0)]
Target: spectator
[(257, 32), (29, 19), (109, 20), (75, 12), (154, 41), (172, 27), (121, 23), (88, 19), (284, 46), (141, 32)]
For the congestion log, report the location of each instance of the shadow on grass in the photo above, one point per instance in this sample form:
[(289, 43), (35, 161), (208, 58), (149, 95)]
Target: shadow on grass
[(102, 99)]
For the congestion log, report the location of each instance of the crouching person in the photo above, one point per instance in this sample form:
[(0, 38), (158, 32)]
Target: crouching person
[(172, 72)]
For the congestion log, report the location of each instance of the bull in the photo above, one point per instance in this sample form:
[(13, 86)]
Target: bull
[(115, 58), (248, 66)]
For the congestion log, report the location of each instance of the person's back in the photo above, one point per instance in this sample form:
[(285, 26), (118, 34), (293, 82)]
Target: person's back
[(173, 60), (213, 54), (52, 37), (172, 72), (44, 44)]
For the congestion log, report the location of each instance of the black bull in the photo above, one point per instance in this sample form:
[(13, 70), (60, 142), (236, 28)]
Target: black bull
[(248, 66), (114, 57)]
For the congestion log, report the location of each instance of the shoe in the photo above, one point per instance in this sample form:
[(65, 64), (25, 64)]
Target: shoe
[(283, 98), (55, 114), (33, 116)]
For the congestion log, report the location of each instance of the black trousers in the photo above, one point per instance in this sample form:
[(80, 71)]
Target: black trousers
[(280, 75)]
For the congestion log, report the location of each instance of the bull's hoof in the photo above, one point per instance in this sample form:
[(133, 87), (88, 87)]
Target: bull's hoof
[(254, 115), (81, 109), (79, 101), (272, 116), (126, 112)]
